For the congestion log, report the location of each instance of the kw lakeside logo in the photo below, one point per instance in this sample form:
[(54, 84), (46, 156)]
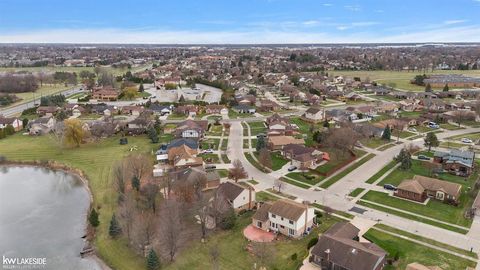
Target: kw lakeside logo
[(23, 263)]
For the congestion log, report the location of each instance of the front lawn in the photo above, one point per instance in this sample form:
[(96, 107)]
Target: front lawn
[(410, 252), (373, 142), (380, 173), (337, 159), (263, 196), (449, 126), (305, 177), (215, 130), (176, 116), (278, 161), (434, 209), (356, 192), (257, 128), (348, 170), (210, 144), (210, 158), (222, 173)]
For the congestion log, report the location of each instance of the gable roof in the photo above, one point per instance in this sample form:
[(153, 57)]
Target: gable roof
[(348, 253), (284, 140), (288, 209), (262, 212), (418, 184), (231, 190)]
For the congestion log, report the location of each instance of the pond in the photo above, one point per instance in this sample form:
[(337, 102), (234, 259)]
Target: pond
[(43, 218)]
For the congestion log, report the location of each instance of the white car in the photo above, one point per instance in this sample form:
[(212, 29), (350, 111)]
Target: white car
[(207, 151), (466, 140)]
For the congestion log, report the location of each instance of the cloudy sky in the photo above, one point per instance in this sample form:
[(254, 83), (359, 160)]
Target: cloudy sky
[(239, 21)]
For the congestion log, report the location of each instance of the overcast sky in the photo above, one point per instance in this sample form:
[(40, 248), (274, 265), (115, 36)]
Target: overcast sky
[(239, 21)]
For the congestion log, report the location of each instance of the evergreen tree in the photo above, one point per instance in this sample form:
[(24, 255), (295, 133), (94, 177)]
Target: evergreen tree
[(9, 130), (446, 88), (326, 123), (61, 115), (387, 133), (25, 122), (431, 141), (158, 125), (261, 143), (153, 262), (114, 230), (405, 159), (135, 183), (93, 218), (152, 134), (141, 88), (428, 88)]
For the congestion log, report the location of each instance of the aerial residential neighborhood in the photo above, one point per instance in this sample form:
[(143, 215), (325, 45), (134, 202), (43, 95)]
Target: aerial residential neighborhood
[(265, 135)]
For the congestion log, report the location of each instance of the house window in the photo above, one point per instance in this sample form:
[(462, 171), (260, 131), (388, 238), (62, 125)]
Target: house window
[(281, 218), (274, 216), (290, 221), (291, 232), (272, 225), (281, 226)]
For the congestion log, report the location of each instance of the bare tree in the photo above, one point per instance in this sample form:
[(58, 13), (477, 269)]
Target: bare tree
[(127, 214), (171, 226), (57, 133), (120, 177), (264, 158), (220, 206), (238, 171), (145, 227), (150, 192), (215, 257), (279, 185), (264, 253), (139, 165), (343, 138), (460, 116)]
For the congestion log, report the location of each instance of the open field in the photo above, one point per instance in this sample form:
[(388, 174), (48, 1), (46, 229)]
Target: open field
[(409, 252), (96, 160), (45, 90), (400, 79)]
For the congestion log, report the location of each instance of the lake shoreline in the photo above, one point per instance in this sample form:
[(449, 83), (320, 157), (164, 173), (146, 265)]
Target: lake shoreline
[(55, 166)]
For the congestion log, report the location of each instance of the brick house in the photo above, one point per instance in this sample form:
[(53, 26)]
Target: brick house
[(419, 188)]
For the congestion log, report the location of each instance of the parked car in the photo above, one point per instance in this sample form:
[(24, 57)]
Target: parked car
[(466, 140), (292, 168), (207, 151), (210, 167), (423, 157), (433, 125), (390, 187)]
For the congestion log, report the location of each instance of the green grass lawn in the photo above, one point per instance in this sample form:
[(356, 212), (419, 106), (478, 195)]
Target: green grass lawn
[(305, 177), (472, 136), (45, 90), (255, 164), (404, 134), (295, 183), (278, 161), (263, 196), (426, 240), (400, 79), (176, 116), (456, 145), (210, 158), (412, 217), (222, 172), (210, 144), (386, 146), (225, 158), (257, 128), (424, 129), (411, 252), (373, 142), (96, 161), (380, 173), (233, 255), (336, 159), (224, 145), (348, 170), (434, 209), (215, 130), (410, 114), (473, 124), (234, 115), (449, 126), (356, 192)]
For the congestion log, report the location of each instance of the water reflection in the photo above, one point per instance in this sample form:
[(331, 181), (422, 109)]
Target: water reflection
[(42, 214)]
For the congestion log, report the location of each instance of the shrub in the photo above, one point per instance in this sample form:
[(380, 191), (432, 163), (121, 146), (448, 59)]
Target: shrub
[(294, 256), (312, 242)]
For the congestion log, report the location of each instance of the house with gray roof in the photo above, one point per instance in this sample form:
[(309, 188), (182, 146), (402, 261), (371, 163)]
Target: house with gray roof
[(457, 162)]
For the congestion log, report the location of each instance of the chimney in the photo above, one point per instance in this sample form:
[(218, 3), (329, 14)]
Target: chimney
[(327, 254)]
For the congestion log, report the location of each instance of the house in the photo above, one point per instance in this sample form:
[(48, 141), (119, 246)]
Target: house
[(338, 249), (301, 156), (105, 93), (183, 157), (16, 123), (244, 109), (278, 142), (267, 105), (132, 110), (419, 188), (216, 109), (160, 109), (189, 110), (47, 110), (191, 129), (278, 125), (138, 125), (193, 144), (42, 125), (314, 114), (456, 161), (284, 216), (238, 196)]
